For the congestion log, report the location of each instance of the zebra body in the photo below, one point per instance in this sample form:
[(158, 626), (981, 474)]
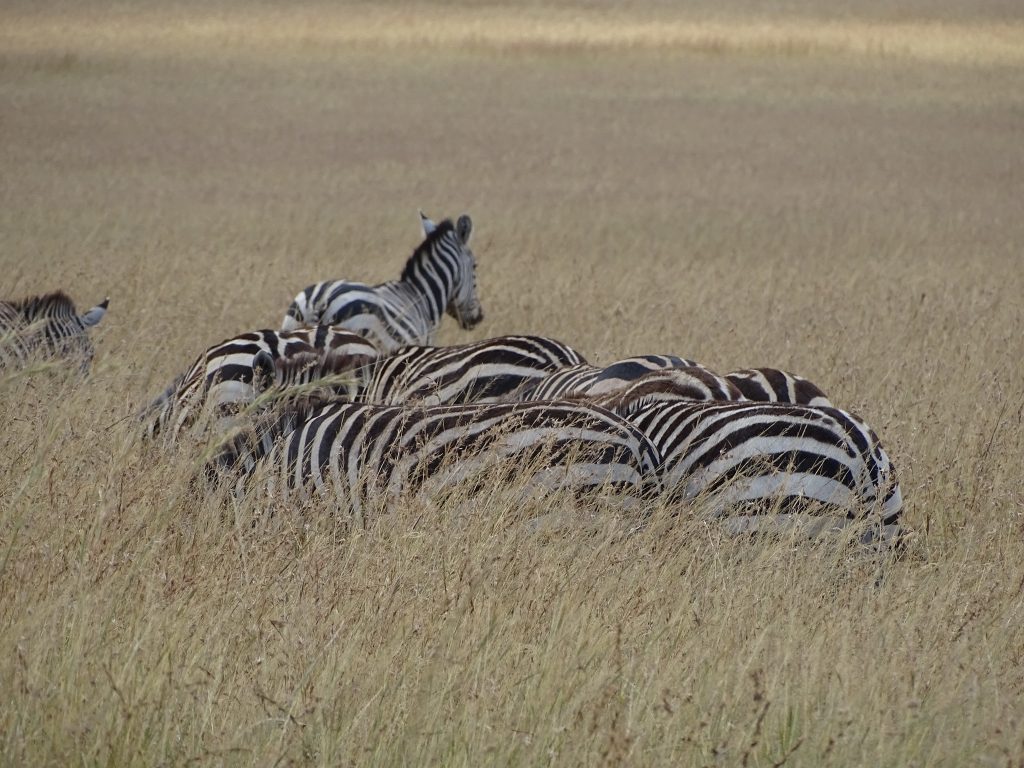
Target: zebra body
[(220, 383), (484, 371), (370, 454), (694, 384), (771, 457), (588, 380), (771, 385), (47, 325), (439, 278)]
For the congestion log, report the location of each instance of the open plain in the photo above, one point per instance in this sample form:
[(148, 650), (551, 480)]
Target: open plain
[(835, 191)]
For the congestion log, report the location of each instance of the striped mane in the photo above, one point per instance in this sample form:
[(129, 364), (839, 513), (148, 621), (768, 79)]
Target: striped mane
[(425, 248), (53, 304)]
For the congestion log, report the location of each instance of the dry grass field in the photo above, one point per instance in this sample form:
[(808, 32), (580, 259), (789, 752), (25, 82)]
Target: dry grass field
[(836, 192)]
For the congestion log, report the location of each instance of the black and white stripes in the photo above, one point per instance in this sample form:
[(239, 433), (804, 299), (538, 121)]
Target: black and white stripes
[(49, 326), (439, 277), (220, 383), (484, 371), (365, 456), (778, 461)]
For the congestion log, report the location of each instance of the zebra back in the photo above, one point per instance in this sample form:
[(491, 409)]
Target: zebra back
[(694, 384), (366, 454), (591, 381), (774, 386), (774, 461), (439, 277), (228, 376), (484, 371), (47, 325)]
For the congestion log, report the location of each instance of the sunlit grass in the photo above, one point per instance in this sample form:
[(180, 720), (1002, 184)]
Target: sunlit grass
[(500, 28)]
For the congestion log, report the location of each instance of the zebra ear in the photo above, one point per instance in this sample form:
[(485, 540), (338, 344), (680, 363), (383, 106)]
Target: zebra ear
[(263, 370), (464, 228), (95, 314), (428, 225)]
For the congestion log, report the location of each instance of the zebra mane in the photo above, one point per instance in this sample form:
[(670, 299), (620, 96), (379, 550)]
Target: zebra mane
[(53, 304), (440, 231)]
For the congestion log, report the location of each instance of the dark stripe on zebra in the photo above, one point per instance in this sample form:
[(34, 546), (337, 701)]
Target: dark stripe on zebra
[(776, 386), (484, 371)]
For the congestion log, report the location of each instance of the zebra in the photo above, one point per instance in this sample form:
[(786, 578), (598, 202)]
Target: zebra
[(368, 455), (759, 384), (692, 384), (484, 371), (760, 465), (220, 383), (439, 277), (47, 325), (589, 380), (774, 386)]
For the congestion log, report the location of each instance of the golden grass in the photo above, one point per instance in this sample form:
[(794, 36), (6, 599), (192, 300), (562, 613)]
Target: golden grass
[(263, 30), (852, 220)]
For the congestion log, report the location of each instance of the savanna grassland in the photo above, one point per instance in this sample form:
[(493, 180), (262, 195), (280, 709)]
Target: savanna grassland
[(836, 191)]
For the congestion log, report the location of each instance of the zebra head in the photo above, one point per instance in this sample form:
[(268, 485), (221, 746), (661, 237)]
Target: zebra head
[(464, 305)]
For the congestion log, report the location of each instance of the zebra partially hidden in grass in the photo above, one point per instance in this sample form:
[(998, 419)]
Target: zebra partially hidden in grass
[(768, 465), (759, 384), (225, 379), (366, 456), (47, 326), (439, 278), (480, 372)]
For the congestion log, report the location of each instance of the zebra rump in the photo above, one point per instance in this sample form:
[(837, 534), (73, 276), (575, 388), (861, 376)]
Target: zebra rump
[(484, 371), (368, 455), (47, 326), (760, 465), (439, 278), (222, 381)]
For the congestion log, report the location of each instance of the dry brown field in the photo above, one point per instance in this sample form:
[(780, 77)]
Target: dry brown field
[(836, 191)]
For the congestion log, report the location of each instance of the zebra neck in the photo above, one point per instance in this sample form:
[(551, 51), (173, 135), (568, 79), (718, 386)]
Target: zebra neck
[(422, 301), (428, 280)]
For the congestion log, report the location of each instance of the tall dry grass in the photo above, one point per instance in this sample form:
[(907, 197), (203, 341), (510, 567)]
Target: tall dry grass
[(851, 219)]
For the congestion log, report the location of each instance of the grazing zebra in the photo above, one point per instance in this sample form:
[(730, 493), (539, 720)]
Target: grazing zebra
[(369, 455), (221, 381), (771, 385), (589, 380), (439, 277), (769, 464), (47, 325), (484, 371)]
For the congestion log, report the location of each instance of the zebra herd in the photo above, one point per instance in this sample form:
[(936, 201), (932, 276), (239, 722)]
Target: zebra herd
[(349, 401)]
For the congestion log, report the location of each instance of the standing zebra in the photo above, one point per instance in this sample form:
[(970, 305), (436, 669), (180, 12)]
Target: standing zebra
[(483, 371), (47, 325), (771, 464), (369, 455), (439, 277), (220, 383)]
